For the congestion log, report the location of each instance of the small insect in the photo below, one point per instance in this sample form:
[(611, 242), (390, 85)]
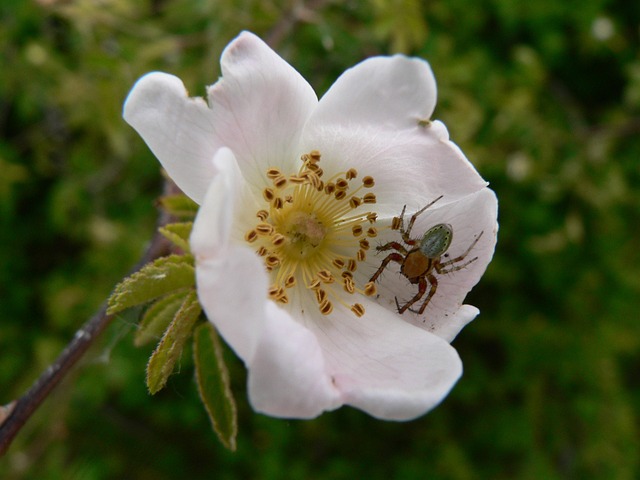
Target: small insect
[(421, 259)]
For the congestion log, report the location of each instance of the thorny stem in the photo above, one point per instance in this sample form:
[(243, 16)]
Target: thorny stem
[(19, 411)]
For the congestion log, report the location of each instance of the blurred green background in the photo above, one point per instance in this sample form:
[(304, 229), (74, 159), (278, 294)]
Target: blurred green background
[(544, 98)]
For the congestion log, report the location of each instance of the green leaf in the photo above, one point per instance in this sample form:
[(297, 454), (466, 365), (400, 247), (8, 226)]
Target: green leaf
[(169, 349), (213, 384), (157, 317), (164, 275), (179, 206), (178, 234)]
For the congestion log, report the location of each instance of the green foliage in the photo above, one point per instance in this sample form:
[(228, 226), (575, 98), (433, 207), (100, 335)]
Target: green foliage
[(157, 317), (543, 97), (213, 384), (178, 234), (169, 349), (180, 206), (161, 277)]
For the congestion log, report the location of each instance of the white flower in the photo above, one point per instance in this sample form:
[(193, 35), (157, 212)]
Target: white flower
[(297, 197)]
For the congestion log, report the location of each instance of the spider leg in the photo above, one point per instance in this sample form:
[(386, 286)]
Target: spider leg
[(406, 234), (392, 257), (422, 287), (442, 267), (392, 245), (433, 281)]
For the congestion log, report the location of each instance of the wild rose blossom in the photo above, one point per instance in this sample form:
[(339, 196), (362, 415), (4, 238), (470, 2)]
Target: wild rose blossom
[(297, 195)]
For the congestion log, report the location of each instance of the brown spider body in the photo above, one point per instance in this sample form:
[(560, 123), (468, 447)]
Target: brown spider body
[(420, 263)]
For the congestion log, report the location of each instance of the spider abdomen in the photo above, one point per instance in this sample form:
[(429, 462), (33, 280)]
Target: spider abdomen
[(436, 241)]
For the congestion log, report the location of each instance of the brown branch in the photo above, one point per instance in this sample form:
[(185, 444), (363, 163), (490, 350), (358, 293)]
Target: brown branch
[(17, 413)]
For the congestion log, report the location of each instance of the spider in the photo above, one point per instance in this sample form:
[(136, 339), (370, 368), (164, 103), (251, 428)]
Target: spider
[(421, 259)]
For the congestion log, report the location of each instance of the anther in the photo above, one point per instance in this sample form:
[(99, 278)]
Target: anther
[(314, 155), (340, 194), (296, 180), (264, 229), (314, 284), (338, 263), (395, 223), (251, 236), (262, 215), (368, 182), (280, 181), (364, 244), (352, 265), (372, 232), (290, 281), (358, 309), (370, 289), (355, 202), (277, 203), (273, 173), (262, 251), (356, 230), (361, 255), (275, 291), (268, 194), (372, 217), (329, 188), (342, 184), (277, 239), (321, 295), (349, 285), (351, 174), (326, 307), (369, 198), (325, 276), (272, 261)]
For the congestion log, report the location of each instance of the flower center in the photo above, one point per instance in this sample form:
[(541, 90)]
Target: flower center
[(313, 233)]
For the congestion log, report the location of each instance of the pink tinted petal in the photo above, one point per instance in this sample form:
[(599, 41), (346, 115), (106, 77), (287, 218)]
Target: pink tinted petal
[(177, 129), (287, 376), (261, 104), (388, 92), (468, 217), (231, 280), (384, 366)]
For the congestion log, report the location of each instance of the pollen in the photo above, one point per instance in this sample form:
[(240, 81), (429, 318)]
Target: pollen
[(312, 232)]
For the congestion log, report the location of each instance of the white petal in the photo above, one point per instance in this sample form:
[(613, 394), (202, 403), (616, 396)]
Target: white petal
[(211, 229), (288, 376), (384, 366), (231, 280), (468, 217), (232, 291), (375, 118), (261, 104), (392, 92), (177, 129), (410, 167)]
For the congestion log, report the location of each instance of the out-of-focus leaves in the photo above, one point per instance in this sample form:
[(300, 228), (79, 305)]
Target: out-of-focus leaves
[(180, 206), (212, 377)]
